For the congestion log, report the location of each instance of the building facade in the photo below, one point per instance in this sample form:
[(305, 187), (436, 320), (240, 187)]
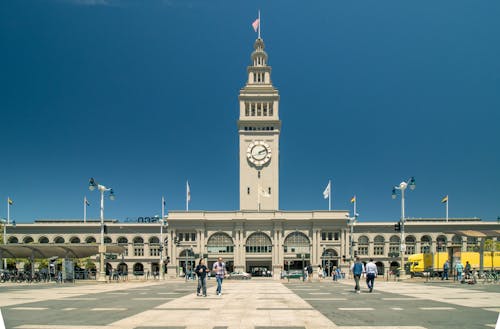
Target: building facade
[(258, 238)]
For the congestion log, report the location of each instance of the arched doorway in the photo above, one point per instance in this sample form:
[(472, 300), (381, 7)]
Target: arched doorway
[(329, 260), (138, 269), (186, 261), (380, 268), (258, 249), (221, 244), (297, 251), (155, 269), (109, 269), (393, 267), (122, 269)]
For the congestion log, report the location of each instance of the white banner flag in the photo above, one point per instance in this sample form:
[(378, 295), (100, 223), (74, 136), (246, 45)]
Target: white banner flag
[(327, 191)]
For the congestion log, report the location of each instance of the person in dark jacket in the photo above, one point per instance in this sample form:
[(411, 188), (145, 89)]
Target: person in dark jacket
[(202, 271)]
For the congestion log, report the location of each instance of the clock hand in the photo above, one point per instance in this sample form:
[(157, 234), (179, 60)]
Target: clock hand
[(262, 151)]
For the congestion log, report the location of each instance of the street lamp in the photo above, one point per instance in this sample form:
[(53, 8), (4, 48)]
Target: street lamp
[(402, 187), (351, 221), (102, 248), (4, 223)]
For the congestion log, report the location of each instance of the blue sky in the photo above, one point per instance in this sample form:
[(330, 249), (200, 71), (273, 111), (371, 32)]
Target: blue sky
[(142, 95)]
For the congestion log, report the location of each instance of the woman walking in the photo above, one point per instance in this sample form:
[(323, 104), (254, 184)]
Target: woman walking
[(201, 271)]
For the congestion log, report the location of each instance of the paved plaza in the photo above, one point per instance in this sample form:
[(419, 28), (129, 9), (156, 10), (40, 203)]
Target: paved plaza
[(256, 303)]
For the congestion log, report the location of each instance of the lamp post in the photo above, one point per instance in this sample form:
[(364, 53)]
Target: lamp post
[(102, 248), (163, 221), (402, 187), (351, 221), (5, 222)]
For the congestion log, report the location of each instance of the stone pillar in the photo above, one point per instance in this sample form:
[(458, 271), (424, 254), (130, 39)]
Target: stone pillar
[(172, 253)]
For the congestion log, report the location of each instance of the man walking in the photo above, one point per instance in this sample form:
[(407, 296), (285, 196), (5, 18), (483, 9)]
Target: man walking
[(446, 268), (220, 272), (309, 273), (371, 274), (357, 268)]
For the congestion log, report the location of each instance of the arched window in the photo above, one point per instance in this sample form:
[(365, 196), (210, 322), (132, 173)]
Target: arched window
[(456, 241), (297, 242), (186, 253), (43, 239), (220, 243), (426, 243), (59, 239), (472, 244), (12, 239), (74, 239), (394, 243), (329, 254), (28, 239), (123, 242), (154, 246), (90, 239), (410, 244), (258, 243), (107, 239), (378, 245), (138, 246), (363, 243), (441, 243)]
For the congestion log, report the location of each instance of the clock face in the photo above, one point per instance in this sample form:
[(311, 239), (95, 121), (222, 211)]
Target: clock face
[(258, 153)]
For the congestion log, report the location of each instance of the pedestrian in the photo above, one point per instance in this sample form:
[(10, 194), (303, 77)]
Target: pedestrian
[(202, 271), (446, 268), (220, 272), (357, 268), (339, 275), (334, 273), (459, 267), (309, 272), (467, 270), (320, 273), (371, 274)]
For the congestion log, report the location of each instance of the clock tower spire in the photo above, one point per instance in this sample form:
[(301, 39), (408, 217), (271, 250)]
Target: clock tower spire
[(259, 129)]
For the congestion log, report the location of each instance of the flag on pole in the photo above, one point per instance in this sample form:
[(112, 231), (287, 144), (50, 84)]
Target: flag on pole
[(188, 195), (327, 191), (445, 200), (9, 201), (87, 203), (353, 199), (256, 24)]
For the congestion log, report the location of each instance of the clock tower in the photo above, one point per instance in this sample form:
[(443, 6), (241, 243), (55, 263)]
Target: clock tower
[(259, 130)]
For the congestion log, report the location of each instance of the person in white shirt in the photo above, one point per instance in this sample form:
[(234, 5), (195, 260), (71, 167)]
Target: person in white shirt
[(371, 274)]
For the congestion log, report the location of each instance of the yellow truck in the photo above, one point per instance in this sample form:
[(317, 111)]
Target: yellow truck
[(434, 262)]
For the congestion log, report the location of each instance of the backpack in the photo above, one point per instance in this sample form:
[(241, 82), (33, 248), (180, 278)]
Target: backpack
[(357, 269)]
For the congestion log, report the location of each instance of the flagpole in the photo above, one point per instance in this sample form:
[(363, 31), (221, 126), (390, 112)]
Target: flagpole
[(187, 196), (447, 200), (259, 23), (85, 209), (162, 207), (8, 210), (355, 200)]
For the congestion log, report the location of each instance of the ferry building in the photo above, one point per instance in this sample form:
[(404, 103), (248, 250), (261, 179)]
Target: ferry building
[(258, 238)]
